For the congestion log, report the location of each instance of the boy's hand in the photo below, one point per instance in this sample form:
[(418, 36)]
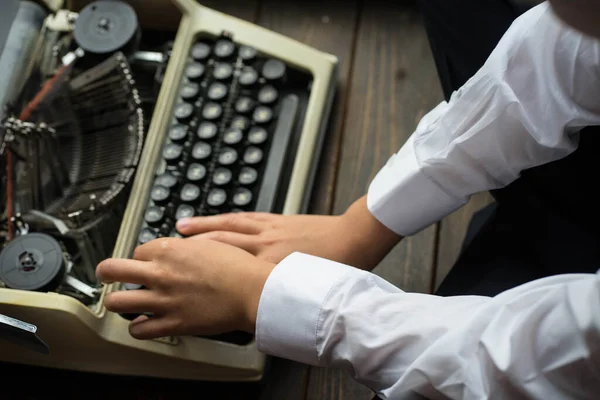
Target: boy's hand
[(194, 287), (354, 238)]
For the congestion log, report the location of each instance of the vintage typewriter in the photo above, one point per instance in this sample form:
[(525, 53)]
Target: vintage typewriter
[(117, 119)]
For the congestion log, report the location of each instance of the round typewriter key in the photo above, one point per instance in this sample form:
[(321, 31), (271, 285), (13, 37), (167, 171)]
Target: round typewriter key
[(189, 91), (221, 176), (172, 153), (207, 130), (147, 235), (273, 70), (194, 71), (212, 111), (183, 111), (196, 172), (201, 151), (132, 286), (247, 53), (244, 105), (262, 115), (241, 123), (178, 133), (242, 197), (224, 48), (223, 71), (154, 216), (217, 91), (216, 197), (267, 94), (248, 77), (233, 136), (247, 176), (228, 156), (257, 135), (160, 194), (253, 155), (190, 193), (167, 180), (184, 211), (200, 51)]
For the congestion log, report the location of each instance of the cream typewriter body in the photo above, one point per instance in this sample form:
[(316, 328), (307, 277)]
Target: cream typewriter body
[(119, 118)]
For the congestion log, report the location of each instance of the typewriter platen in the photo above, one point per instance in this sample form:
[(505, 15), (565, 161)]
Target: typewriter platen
[(117, 119)]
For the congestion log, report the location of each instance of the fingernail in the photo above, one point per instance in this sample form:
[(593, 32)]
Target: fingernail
[(183, 222)]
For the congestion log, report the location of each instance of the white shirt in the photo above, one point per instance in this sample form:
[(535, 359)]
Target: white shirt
[(524, 108)]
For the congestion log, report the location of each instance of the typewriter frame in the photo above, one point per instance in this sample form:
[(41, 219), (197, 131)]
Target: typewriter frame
[(82, 339)]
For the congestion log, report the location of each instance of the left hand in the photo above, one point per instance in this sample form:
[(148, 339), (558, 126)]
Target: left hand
[(193, 287)]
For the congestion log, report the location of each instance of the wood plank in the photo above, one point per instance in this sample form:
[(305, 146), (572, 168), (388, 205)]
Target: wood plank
[(394, 83), (328, 26), (452, 233)]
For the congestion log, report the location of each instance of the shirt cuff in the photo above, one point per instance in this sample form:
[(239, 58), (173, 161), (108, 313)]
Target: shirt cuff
[(406, 200), (288, 313)]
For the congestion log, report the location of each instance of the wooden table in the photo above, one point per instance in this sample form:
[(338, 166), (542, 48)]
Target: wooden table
[(387, 83)]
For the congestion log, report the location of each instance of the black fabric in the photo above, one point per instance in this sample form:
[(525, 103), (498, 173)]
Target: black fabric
[(8, 11), (544, 223)]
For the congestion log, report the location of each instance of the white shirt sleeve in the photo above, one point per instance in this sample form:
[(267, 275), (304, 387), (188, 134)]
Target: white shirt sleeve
[(523, 108), (540, 340)]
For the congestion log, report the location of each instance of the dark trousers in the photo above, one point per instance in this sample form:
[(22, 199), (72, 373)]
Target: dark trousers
[(539, 225), (546, 222)]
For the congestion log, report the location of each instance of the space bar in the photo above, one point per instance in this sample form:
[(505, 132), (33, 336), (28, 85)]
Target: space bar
[(282, 137)]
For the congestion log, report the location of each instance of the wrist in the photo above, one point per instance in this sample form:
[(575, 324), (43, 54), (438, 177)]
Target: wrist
[(369, 240), (250, 299)]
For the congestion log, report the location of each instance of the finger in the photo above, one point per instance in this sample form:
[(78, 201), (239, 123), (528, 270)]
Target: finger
[(133, 301), (233, 222), (125, 270), (155, 248), (240, 240), (154, 327)]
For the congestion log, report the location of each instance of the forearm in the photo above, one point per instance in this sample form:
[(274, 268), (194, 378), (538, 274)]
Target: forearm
[(525, 342)]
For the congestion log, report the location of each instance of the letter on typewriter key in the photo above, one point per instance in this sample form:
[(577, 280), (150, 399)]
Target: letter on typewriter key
[(154, 216), (160, 195), (247, 176), (217, 91), (247, 53), (242, 197), (201, 151), (207, 130), (257, 135), (222, 176), (190, 193), (212, 111), (172, 153), (194, 71), (233, 136), (228, 156), (240, 122), (253, 155), (200, 51), (224, 49), (262, 115), (184, 211), (216, 197), (267, 94), (196, 172), (244, 105)]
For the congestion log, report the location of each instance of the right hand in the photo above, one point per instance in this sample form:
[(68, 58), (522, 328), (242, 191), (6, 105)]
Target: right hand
[(355, 238)]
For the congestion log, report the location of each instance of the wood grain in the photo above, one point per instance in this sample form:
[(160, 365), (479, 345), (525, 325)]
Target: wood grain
[(452, 233), (330, 27), (394, 83)]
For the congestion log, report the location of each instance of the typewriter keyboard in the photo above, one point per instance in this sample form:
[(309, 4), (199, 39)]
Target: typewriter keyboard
[(226, 146)]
